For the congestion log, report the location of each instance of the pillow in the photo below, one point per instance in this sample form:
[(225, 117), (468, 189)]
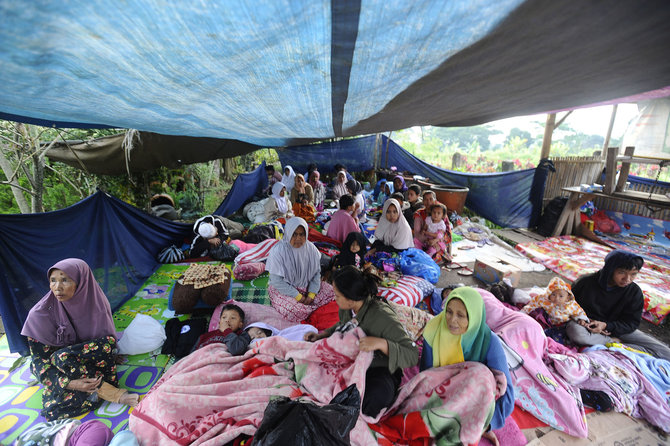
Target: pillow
[(253, 313), (248, 271), (406, 292)]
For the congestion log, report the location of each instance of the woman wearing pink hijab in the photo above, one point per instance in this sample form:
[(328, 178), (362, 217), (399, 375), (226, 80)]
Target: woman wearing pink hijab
[(72, 344)]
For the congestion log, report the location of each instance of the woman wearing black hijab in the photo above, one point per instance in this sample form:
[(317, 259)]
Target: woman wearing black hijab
[(614, 304)]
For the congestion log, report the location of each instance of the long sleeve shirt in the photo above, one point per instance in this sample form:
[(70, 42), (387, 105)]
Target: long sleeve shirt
[(287, 289), (236, 342), (378, 319)]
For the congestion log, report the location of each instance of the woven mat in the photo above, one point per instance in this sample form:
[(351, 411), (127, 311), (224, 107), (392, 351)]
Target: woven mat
[(21, 397)]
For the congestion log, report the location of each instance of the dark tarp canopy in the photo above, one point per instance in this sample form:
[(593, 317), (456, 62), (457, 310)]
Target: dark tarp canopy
[(107, 156), (287, 72)]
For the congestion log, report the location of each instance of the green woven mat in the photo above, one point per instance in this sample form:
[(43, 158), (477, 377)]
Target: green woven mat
[(254, 291)]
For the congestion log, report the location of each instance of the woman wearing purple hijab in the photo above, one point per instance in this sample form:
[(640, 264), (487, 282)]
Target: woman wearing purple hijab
[(72, 343)]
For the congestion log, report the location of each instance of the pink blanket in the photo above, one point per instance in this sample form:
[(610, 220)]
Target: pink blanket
[(210, 397), (545, 395)]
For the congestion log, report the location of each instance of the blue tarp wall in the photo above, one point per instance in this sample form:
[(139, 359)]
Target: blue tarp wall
[(117, 240), (246, 185), (508, 199)]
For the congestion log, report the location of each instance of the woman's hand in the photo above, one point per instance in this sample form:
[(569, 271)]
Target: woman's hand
[(309, 299), (372, 343), (311, 336), (501, 382), (597, 327), (88, 385)]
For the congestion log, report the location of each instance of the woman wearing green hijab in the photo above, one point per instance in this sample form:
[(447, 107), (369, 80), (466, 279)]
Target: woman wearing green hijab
[(458, 334)]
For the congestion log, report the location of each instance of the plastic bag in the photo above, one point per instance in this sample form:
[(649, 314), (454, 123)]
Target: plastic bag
[(297, 423), (144, 334), (414, 262)]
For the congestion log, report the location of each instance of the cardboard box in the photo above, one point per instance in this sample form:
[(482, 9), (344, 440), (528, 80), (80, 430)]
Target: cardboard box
[(492, 270)]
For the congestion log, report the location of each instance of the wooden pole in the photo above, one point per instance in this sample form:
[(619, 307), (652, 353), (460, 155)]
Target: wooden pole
[(548, 131), (609, 131)]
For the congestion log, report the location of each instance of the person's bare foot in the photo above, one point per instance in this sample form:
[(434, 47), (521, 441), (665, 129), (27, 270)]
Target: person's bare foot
[(490, 436), (129, 399)]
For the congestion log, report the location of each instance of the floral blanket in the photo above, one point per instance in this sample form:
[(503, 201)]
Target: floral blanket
[(210, 397), (537, 390), (572, 257)]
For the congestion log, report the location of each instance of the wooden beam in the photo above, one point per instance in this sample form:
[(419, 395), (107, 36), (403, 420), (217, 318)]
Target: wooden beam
[(608, 136), (548, 131)]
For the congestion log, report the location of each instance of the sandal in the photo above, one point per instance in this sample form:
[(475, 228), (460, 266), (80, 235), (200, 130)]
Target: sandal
[(452, 266), (465, 271)]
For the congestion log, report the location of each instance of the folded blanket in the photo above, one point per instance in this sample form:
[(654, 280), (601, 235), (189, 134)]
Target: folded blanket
[(210, 397)]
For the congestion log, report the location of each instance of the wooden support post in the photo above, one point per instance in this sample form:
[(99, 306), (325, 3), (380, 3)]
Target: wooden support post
[(548, 131), (609, 131), (610, 169), (625, 168)]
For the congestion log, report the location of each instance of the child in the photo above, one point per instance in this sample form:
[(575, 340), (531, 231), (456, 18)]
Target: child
[(304, 209), (211, 234), (356, 296), (261, 330), (401, 199), (437, 234), (415, 203), (343, 222), (229, 332), (352, 252), (385, 192), (559, 303)]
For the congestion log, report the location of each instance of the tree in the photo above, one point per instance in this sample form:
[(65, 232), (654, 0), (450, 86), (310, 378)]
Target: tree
[(521, 134)]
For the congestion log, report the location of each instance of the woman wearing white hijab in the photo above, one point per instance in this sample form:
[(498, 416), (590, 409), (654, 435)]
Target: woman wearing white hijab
[(393, 233), (294, 264), (278, 205), (340, 187), (288, 178)]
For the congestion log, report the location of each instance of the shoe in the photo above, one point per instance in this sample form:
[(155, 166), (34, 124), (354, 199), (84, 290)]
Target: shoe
[(597, 399)]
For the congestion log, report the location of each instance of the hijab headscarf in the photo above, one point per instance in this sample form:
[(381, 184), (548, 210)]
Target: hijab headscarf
[(302, 189), (340, 187), (398, 234), (617, 259), (403, 186), (354, 186), (473, 345), (296, 265), (314, 177), (288, 180), (282, 205), (84, 317), (346, 257)]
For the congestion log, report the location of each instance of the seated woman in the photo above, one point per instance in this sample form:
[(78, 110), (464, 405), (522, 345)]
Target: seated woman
[(614, 304), (355, 189), (301, 187), (288, 179), (356, 296), (459, 333), (343, 222), (400, 186), (72, 344), (304, 208), (340, 186), (278, 205), (318, 188), (294, 264), (393, 234)]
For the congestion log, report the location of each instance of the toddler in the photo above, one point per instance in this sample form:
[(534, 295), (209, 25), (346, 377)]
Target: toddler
[(304, 209), (559, 303), (353, 251), (229, 332), (437, 234), (261, 330)]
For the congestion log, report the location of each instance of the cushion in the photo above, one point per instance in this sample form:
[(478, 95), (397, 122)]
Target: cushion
[(248, 271), (406, 292)]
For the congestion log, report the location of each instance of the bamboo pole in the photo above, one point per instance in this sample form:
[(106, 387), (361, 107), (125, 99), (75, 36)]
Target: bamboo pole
[(548, 131), (609, 131)]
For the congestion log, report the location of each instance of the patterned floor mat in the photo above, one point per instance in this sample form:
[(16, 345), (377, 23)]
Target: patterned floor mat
[(572, 257)]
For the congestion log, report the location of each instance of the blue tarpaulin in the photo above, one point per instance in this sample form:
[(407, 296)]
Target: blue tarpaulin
[(118, 241), (246, 185), (285, 72), (509, 199)]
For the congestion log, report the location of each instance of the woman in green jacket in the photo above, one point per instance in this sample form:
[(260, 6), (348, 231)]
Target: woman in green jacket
[(356, 295)]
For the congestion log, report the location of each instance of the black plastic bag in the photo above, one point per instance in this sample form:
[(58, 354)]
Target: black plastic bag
[(550, 216), (290, 422)]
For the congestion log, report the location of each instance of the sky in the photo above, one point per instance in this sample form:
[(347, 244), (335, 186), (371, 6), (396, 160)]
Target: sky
[(591, 121)]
